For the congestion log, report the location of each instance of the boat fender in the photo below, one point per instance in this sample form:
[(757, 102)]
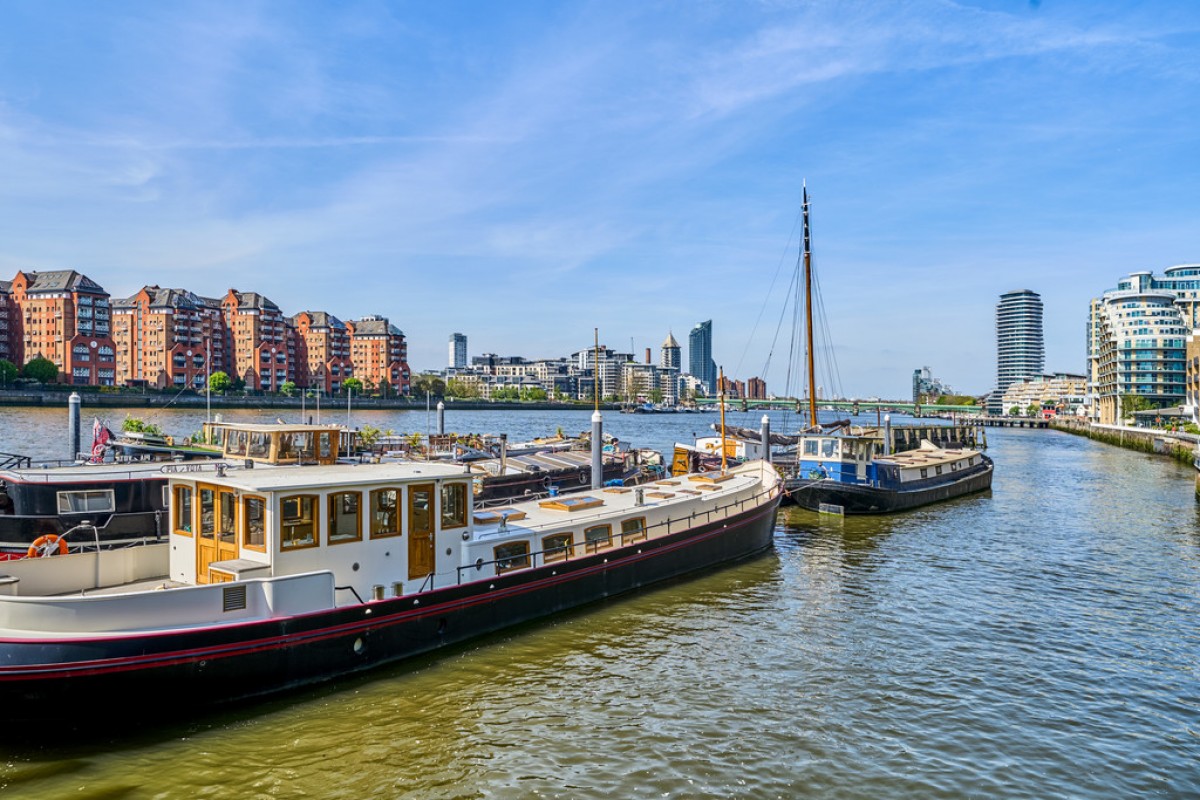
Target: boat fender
[(45, 546)]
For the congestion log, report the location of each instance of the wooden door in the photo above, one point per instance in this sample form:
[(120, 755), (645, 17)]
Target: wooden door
[(216, 528), (420, 530)]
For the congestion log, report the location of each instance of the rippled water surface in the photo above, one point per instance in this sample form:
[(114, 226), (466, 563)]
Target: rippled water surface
[(1038, 641)]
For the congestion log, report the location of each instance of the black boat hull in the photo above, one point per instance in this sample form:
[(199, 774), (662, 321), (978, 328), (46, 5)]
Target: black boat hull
[(862, 499), (137, 676)]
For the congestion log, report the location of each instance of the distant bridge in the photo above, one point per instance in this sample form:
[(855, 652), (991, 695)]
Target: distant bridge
[(853, 406)]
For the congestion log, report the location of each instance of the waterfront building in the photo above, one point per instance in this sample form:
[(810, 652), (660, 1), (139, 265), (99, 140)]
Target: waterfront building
[(1020, 349), (1060, 393), (1192, 375), (700, 360), (732, 389), (258, 341), (8, 311), (756, 389), (671, 355), (926, 388), (66, 317), (162, 338), (379, 354), (322, 351), (458, 350), (1137, 345)]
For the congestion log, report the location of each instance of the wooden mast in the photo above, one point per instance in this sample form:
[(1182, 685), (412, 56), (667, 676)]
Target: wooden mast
[(808, 318)]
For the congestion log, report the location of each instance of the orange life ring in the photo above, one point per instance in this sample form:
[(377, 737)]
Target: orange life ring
[(44, 545)]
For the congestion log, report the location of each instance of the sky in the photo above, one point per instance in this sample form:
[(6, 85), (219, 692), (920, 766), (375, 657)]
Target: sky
[(527, 172)]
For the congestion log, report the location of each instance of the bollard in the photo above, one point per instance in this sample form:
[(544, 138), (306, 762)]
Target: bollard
[(73, 403), (597, 449), (765, 433), (441, 418)]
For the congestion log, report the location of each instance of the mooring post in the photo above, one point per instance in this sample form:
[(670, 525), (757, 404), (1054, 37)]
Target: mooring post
[(765, 433), (73, 403), (597, 449), (441, 418)]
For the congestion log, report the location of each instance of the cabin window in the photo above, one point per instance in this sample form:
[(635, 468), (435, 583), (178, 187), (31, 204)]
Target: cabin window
[(345, 520), (971, 461), (454, 505), (514, 555), (208, 513), (235, 443), (597, 537), (924, 472), (260, 444), (287, 447), (810, 447), (227, 517), (828, 446), (181, 512), (633, 530), (385, 512), (555, 547), (86, 502), (938, 469), (298, 523), (254, 522), (324, 443)]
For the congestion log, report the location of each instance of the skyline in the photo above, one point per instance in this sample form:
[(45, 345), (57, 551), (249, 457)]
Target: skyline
[(526, 173)]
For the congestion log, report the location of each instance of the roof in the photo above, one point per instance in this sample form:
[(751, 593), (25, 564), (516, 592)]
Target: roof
[(5, 286), (300, 479), (375, 326), (322, 319), (62, 280), (670, 341), (253, 300)]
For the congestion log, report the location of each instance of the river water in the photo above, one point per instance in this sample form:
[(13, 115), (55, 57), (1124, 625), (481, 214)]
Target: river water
[(1041, 640)]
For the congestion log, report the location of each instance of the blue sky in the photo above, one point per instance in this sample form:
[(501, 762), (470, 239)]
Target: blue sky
[(523, 172)]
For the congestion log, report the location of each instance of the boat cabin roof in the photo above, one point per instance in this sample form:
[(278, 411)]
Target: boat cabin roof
[(281, 479), (923, 457)]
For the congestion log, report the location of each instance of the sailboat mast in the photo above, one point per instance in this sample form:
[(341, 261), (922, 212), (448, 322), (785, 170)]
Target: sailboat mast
[(808, 318)]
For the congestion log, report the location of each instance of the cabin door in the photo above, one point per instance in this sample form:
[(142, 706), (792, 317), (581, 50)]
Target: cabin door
[(216, 531), (420, 530)]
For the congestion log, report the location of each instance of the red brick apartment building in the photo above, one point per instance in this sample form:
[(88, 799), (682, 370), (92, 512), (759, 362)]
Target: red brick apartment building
[(66, 317), (379, 354), (164, 337), (322, 351), (258, 341)]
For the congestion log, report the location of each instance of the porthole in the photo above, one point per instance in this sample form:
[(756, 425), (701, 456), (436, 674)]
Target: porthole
[(359, 646)]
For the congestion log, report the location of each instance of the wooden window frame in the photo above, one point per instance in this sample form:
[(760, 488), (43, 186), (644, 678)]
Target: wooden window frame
[(596, 545), (316, 523), (334, 497), (505, 563), (177, 504), (639, 535), (399, 522), (244, 511), (552, 553), (448, 523)]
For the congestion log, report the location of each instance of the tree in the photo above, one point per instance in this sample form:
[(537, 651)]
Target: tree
[(287, 388), (42, 370), (352, 385), (456, 387), (138, 425), (1134, 402), (8, 372), (1015, 411), (219, 382), (426, 384), (1032, 410), (656, 396)]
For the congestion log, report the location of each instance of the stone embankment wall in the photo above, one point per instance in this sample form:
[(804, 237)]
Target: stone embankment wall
[(1176, 444), (93, 399)]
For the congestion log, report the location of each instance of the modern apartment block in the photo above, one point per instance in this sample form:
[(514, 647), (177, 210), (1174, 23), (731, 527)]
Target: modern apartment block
[(164, 338), (1020, 349), (379, 354), (66, 317), (1060, 393), (671, 356), (1137, 341), (322, 351), (700, 360), (458, 351)]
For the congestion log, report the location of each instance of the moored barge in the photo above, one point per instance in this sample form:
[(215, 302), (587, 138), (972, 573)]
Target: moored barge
[(274, 579)]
